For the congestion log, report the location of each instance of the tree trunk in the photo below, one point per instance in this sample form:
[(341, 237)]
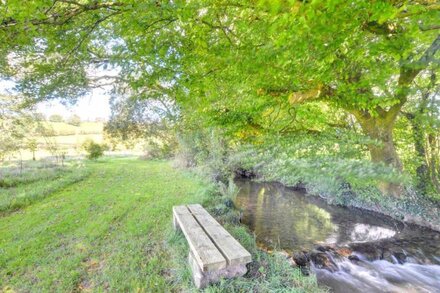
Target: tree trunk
[(422, 142), (422, 170), (381, 130), (433, 161), (383, 150)]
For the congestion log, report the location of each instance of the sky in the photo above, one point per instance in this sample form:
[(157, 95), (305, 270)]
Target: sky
[(95, 105)]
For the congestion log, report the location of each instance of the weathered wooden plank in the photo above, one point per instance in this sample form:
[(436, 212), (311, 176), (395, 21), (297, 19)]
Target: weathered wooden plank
[(234, 252), (206, 254)]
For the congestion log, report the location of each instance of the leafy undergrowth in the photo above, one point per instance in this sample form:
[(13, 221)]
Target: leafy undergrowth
[(112, 232), (18, 190)]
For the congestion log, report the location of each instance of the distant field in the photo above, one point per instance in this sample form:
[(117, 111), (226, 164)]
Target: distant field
[(67, 135), (72, 140), (68, 139), (62, 128)]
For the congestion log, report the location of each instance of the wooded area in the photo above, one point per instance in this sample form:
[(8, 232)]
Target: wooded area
[(323, 81), (337, 98)]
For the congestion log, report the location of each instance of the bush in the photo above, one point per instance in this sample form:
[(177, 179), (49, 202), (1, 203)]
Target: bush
[(206, 149), (94, 150), (39, 117), (56, 118), (74, 120), (154, 150)]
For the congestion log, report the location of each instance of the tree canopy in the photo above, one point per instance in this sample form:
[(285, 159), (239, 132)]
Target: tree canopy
[(341, 70)]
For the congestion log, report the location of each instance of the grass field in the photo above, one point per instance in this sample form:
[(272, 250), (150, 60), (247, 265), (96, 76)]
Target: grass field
[(70, 136), (112, 232), (63, 128)]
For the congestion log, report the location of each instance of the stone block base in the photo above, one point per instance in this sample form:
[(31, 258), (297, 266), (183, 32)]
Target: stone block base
[(203, 279)]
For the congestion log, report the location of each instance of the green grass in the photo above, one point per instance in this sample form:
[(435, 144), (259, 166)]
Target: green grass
[(112, 232), (9, 178), (34, 183)]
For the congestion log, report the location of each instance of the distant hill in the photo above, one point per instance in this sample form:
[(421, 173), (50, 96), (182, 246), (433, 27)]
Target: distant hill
[(63, 128)]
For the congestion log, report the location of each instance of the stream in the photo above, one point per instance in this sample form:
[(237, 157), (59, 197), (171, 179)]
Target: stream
[(349, 250)]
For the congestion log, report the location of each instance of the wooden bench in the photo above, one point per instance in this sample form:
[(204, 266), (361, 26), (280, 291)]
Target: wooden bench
[(214, 253)]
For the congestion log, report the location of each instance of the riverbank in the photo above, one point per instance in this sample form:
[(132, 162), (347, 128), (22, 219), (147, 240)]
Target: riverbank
[(409, 208), (349, 249), (111, 231)]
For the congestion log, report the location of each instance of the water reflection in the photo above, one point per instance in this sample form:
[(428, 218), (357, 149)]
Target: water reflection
[(367, 233), (287, 219)]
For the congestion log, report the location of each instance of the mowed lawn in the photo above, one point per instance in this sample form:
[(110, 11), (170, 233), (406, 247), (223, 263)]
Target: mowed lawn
[(110, 232)]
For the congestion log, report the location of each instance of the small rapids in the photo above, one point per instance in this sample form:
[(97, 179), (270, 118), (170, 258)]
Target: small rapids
[(349, 250), (380, 276)]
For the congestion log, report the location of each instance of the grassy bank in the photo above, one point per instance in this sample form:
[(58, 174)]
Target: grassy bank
[(112, 232)]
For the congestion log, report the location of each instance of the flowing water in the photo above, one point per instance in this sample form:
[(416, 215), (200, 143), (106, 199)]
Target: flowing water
[(349, 250)]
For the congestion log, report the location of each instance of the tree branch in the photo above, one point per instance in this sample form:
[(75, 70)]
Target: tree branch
[(408, 72), (57, 18), (87, 34)]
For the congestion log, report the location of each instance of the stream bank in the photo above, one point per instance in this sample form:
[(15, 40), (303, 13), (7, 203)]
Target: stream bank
[(347, 248), (410, 208)]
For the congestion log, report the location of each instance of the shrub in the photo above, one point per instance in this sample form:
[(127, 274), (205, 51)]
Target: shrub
[(56, 118), (74, 120), (229, 190), (94, 150), (206, 149), (155, 150), (39, 117)]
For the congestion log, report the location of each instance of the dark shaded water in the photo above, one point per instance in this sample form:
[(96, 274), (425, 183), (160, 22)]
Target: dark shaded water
[(352, 250)]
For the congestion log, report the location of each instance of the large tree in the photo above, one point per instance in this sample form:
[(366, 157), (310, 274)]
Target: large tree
[(360, 56), (231, 62)]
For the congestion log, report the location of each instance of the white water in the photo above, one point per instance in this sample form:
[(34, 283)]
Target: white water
[(380, 276), (368, 233)]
